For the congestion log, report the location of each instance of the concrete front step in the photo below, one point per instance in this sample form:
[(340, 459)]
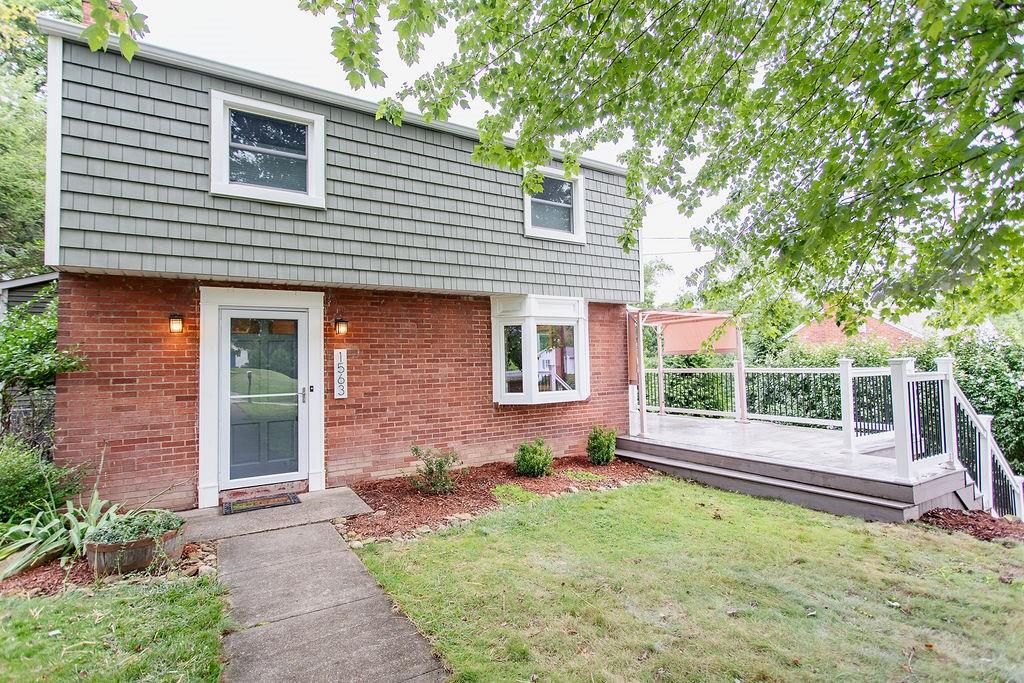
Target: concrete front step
[(808, 495), (821, 478)]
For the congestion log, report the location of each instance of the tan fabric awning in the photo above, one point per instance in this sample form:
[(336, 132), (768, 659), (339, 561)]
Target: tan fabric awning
[(685, 333)]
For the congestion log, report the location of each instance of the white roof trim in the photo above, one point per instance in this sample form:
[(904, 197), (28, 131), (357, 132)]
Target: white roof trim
[(25, 281), (72, 31)]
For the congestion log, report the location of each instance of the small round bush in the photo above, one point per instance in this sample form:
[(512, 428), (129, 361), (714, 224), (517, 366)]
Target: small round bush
[(601, 445), (533, 459), (28, 480), (434, 475)]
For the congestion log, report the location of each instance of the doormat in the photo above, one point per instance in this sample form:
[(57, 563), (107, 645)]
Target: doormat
[(231, 507)]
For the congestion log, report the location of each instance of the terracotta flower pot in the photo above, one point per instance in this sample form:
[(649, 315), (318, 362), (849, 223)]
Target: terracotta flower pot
[(120, 558)]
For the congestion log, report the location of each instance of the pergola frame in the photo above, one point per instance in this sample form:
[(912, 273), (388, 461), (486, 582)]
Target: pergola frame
[(638, 319)]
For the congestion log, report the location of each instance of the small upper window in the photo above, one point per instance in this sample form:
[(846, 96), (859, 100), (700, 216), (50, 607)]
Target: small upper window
[(266, 152), (556, 211)]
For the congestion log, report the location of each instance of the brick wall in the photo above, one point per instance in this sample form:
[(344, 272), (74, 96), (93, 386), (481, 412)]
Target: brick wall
[(419, 372), (828, 332), (137, 400)]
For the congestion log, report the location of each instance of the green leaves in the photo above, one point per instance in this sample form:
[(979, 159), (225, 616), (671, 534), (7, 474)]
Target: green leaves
[(121, 20), (29, 358)]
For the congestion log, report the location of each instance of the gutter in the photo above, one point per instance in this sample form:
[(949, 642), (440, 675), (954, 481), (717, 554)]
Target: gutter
[(73, 32)]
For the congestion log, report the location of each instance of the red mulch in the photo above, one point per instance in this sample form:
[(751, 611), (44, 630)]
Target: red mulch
[(49, 578), (976, 523), (405, 508)]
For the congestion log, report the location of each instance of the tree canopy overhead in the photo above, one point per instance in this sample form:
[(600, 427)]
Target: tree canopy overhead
[(868, 153)]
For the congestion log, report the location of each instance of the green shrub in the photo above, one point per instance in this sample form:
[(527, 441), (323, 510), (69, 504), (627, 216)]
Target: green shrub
[(435, 474), (601, 445), (132, 527), (28, 481), (533, 459), (513, 494)]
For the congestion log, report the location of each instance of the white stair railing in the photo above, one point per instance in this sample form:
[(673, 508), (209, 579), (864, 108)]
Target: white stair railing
[(977, 451)]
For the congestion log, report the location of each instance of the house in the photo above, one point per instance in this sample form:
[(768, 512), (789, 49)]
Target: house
[(24, 290), (275, 291), (828, 331)]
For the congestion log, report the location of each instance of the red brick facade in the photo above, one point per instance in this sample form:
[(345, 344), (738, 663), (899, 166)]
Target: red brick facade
[(419, 372), (827, 331)]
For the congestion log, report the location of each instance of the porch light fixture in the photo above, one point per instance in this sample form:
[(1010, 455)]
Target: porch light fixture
[(340, 326), (176, 323)]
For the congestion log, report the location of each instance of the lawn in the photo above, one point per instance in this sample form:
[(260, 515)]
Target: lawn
[(163, 631), (673, 581)]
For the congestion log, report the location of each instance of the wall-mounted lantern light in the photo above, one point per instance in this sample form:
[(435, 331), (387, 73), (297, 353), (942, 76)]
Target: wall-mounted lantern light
[(340, 326), (176, 323)]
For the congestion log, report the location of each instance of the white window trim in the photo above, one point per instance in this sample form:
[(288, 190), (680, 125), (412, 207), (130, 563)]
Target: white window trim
[(211, 300), (579, 223), (530, 311), (221, 104)]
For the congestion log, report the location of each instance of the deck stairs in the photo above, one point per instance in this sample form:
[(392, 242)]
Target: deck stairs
[(835, 492)]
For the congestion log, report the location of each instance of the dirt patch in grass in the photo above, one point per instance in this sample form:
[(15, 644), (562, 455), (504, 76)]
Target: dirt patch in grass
[(399, 508), (976, 523)]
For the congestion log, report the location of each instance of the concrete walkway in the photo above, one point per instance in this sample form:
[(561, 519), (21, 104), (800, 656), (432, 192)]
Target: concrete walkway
[(307, 608)]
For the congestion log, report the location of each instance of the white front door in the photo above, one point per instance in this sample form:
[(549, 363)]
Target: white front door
[(264, 396)]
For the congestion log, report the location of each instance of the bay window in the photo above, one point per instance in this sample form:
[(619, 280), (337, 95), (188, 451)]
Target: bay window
[(540, 349)]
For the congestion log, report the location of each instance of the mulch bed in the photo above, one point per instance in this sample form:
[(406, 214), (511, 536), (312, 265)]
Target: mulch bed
[(399, 508), (48, 579), (976, 523), (51, 578)]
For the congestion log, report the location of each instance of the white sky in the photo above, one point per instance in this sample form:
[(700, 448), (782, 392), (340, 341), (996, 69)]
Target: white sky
[(276, 38)]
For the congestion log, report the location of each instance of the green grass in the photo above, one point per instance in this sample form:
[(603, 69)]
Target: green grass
[(582, 475), (512, 494), (672, 581), (163, 631), (263, 382)]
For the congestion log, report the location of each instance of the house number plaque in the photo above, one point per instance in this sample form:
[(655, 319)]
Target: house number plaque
[(341, 373)]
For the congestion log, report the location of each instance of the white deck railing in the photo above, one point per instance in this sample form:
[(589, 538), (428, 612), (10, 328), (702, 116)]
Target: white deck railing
[(923, 417)]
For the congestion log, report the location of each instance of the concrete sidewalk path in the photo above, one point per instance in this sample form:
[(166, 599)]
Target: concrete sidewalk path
[(309, 611)]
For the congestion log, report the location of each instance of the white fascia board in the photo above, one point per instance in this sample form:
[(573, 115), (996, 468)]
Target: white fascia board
[(25, 281), (54, 97), (72, 31)]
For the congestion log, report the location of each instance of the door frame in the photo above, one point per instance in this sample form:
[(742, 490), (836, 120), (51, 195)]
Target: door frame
[(211, 301)]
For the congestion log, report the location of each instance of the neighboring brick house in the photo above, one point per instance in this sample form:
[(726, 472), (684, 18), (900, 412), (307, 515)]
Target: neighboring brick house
[(828, 331), (274, 289)]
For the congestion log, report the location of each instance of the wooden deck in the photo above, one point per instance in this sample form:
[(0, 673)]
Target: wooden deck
[(803, 465)]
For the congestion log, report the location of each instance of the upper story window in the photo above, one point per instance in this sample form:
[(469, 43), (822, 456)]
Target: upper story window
[(556, 211), (540, 349), (265, 152)]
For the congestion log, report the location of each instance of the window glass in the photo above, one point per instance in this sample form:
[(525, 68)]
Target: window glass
[(556, 357), (513, 359), (267, 152), (268, 134), (267, 170), (551, 208)]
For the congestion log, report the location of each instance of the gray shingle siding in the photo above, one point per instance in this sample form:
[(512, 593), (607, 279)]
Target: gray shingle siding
[(406, 207), (17, 296)]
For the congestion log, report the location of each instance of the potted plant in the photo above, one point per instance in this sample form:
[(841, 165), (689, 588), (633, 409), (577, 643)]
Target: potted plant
[(135, 541)]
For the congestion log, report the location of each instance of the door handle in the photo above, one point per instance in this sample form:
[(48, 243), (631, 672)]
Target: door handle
[(302, 394)]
